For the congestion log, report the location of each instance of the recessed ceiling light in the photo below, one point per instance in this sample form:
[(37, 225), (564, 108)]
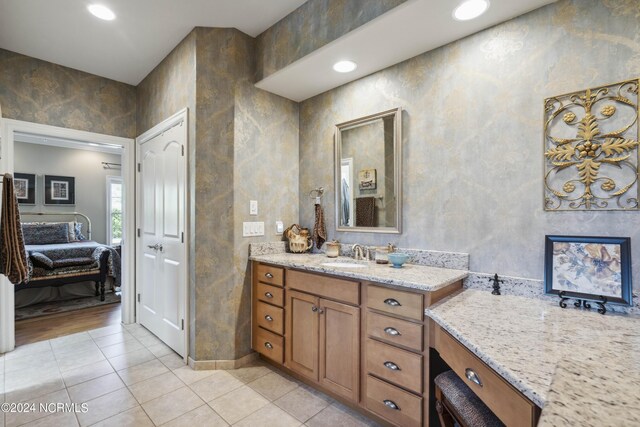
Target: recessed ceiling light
[(345, 66), (470, 9), (101, 12)]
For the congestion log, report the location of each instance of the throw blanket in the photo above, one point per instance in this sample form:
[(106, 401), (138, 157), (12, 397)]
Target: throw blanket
[(61, 256), (365, 212), (13, 259)]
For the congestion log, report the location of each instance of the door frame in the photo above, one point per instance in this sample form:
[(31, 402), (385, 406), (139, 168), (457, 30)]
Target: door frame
[(179, 118), (9, 127)]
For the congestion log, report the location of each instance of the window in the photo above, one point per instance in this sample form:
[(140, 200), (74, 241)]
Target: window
[(114, 210)]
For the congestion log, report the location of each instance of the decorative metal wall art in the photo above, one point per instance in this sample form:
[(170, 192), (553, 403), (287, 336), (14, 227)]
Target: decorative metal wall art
[(591, 149)]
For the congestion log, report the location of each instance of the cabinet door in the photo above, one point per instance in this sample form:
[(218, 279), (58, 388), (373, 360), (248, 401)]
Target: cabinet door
[(301, 335), (340, 348)]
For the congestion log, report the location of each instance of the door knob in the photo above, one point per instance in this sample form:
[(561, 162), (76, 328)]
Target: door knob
[(154, 247)]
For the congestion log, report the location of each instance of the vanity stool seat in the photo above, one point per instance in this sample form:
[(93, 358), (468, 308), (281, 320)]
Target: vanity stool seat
[(457, 404)]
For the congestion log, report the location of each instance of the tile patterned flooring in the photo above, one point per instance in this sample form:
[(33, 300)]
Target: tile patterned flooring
[(128, 377)]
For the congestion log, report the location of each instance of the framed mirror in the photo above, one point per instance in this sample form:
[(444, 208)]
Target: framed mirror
[(368, 171)]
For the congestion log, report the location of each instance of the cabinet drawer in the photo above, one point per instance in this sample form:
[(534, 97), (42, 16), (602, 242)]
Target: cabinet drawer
[(400, 303), (328, 287), (507, 403), (270, 317), (270, 274), (395, 331), (398, 366), (392, 403), (269, 344), (271, 294)]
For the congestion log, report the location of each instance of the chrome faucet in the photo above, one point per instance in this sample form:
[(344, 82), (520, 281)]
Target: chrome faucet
[(359, 251)]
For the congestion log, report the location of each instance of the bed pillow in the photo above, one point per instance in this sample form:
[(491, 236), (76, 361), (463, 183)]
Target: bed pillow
[(45, 234), (41, 259), (78, 232)]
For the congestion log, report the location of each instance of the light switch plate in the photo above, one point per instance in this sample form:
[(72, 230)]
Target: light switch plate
[(253, 207), (252, 229), (279, 227)]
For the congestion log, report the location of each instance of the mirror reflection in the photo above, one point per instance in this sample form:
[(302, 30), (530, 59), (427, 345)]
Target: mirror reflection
[(367, 173)]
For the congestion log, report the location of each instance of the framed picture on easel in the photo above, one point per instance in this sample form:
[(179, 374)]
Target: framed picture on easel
[(591, 268)]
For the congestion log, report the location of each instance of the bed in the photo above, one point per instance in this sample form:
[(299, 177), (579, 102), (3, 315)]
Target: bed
[(59, 254)]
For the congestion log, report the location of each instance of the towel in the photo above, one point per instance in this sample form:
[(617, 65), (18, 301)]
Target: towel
[(365, 212), (319, 230), (13, 257)]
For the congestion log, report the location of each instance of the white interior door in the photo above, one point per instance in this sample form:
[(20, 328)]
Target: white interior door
[(161, 260)]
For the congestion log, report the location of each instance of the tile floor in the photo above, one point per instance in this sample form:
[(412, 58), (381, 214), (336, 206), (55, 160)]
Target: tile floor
[(127, 377)]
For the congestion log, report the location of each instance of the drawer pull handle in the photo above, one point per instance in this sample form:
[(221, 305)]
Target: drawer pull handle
[(314, 308), (392, 331), (268, 318), (392, 302), (268, 294), (392, 366), (391, 404), (268, 345), (472, 376), (268, 275)]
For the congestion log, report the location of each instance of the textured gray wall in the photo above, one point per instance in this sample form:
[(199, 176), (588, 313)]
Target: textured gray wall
[(311, 26), (41, 92), (472, 133)]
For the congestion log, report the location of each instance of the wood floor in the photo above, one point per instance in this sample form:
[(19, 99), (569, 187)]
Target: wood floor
[(47, 327)]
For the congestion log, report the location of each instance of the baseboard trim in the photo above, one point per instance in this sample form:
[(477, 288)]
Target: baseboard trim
[(204, 365)]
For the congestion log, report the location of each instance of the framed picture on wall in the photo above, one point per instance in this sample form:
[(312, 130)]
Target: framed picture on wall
[(25, 188), (59, 190), (367, 179), (589, 267)]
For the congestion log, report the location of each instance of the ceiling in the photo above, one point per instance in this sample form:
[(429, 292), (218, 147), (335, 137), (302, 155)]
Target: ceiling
[(145, 31), (128, 48), (406, 31)]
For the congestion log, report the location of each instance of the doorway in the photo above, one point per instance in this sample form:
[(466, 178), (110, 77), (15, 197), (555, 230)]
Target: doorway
[(10, 129)]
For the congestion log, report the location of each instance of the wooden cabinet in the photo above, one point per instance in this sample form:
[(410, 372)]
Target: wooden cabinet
[(267, 311), (340, 348), (323, 342), (302, 336), (345, 338)]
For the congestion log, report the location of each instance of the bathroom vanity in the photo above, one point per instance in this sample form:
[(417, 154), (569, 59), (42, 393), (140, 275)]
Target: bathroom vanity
[(358, 333), (363, 334)]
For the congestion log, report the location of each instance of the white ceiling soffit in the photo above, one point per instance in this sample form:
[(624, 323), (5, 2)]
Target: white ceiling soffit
[(67, 143), (408, 30), (129, 47)]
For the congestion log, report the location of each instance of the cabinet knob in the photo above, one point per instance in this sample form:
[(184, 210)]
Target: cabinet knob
[(268, 345), (268, 294), (472, 376), (392, 331), (391, 404), (314, 308), (392, 366), (268, 275), (321, 310), (392, 302), (268, 318)]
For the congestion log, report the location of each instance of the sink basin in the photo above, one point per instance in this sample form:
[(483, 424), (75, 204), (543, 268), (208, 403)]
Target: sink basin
[(343, 264)]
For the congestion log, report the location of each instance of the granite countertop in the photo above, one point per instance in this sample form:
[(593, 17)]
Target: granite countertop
[(585, 367), (410, 275)]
